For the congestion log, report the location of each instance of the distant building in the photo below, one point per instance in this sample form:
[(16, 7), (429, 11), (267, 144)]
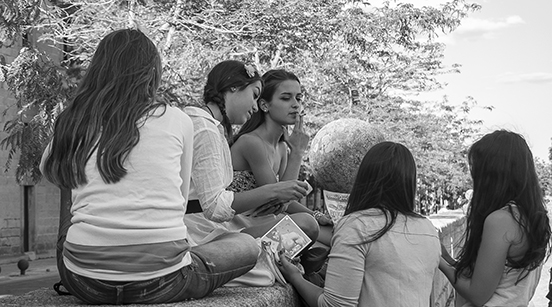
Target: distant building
[(29, 214)]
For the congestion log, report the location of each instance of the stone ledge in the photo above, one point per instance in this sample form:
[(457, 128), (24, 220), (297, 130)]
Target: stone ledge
[(276, 296)]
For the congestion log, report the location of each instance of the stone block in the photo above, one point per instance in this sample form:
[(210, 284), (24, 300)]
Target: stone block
[(13, 223), (14, 242), (3, 242), (5, 250), (9, 232), (277, 296)]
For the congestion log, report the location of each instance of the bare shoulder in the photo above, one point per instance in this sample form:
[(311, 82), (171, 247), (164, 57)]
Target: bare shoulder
[(249, 139), (500, 218), (250, 147), (501, 222), (247, 142)]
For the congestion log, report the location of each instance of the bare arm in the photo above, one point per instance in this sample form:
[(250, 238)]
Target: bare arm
[(498, 232), (283, 191), (308, 291)]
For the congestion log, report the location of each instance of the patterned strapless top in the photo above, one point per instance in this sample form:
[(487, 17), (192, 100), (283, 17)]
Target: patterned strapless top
[(242, 181)]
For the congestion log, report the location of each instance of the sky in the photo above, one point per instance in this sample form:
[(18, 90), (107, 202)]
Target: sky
[(505, 53)]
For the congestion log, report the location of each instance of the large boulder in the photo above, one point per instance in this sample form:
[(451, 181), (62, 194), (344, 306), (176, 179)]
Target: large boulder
[(337, 150)]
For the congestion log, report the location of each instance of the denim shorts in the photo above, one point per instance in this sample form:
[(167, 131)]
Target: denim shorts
[(208, 270)]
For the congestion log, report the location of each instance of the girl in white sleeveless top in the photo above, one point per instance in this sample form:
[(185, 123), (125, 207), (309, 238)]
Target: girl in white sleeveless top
[(508, 232)]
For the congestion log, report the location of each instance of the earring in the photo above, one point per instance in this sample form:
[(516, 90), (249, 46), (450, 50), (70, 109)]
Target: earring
[(233, 89), (265, 110)]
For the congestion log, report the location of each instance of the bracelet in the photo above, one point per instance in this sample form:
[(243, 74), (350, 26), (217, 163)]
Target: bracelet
[(317, 215)]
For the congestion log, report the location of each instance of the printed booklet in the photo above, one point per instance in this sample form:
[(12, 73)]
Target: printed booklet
[(288, 236), (335, 204)]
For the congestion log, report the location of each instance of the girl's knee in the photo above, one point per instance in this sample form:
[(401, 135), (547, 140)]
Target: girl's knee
[(250, 245), (308, 224), (244, 244)]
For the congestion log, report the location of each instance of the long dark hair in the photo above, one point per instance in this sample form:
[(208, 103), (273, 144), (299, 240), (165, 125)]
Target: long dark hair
[(119, 89), (503, 170), (386, 180), (224, 76), (272, 79)]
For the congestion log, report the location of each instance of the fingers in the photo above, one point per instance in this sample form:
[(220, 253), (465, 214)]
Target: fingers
[(285, 135), (299, 192), (302, 188), (298, 123), (290, 190), (283, 259)]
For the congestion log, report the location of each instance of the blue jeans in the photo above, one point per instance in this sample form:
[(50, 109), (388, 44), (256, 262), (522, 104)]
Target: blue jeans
[(213, 264)]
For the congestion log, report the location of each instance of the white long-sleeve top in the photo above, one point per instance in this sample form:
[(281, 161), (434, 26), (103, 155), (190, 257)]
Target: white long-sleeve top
[(134, 229), (212, 167)]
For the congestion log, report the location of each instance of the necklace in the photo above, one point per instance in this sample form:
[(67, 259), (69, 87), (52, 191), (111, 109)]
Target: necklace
[(209, 109)]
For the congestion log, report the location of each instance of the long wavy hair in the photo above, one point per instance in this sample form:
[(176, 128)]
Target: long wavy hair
[(272, 79), (118, 90), (221, 79), (503, 170), (386, 180)]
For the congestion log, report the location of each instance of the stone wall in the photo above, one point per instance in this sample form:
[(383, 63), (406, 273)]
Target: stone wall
[(451, 225)]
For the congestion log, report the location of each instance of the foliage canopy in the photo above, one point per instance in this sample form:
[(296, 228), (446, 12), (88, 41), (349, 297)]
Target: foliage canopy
[(336, 47)]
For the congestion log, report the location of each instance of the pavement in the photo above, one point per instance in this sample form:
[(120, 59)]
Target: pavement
[(40, 273)]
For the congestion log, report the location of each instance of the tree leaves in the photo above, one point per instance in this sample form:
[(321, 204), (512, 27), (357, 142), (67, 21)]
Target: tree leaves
[(40, 91), (335, 47)]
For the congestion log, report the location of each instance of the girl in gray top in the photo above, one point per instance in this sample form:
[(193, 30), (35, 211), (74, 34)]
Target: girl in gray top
[(383, 253)]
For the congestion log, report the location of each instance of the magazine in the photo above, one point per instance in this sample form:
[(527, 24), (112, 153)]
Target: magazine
[(335, 204), (286, 236)]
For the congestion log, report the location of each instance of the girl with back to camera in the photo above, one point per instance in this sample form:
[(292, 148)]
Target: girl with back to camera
[(382, 253), (127, 156), (230, 97), (508, 232)]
